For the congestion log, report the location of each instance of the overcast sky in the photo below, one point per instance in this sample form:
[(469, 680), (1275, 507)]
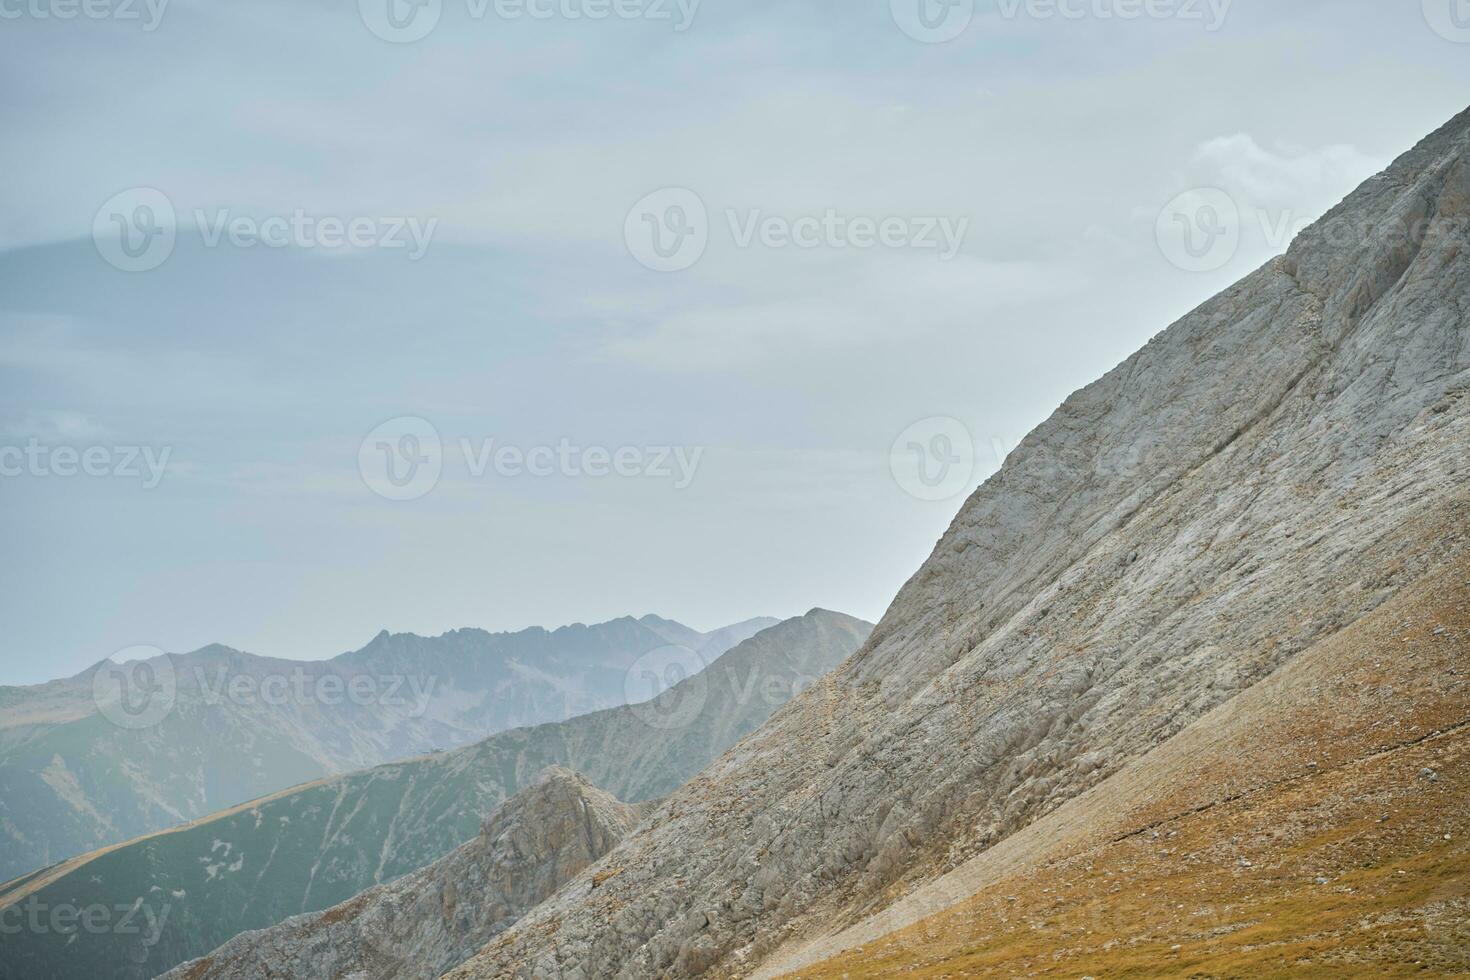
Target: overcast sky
[(988, 227)]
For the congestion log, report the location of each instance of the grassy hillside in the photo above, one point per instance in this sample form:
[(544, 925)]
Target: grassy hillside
[(1318, 825)]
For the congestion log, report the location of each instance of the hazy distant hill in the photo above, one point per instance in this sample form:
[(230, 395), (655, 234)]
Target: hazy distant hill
[(317, 845), (426, 922), (225, 727)]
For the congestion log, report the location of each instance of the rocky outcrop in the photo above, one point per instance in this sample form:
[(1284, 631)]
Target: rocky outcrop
[(318, 845), (431, 920), (1272, 467)]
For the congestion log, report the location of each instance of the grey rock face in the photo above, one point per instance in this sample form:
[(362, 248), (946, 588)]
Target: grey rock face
[(428, 921), (1271, 467)]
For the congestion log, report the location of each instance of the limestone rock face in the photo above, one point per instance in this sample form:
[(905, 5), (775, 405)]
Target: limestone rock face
[(1267, 470), (428, 921)]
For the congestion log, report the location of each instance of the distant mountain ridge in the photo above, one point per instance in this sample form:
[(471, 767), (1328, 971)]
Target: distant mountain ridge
[(222, 726), (429, 921), (319, 844)]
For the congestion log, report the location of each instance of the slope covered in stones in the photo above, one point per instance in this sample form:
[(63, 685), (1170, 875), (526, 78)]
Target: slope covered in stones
[(312, 847), (1270, 468), (1320, 821), (430, 920)]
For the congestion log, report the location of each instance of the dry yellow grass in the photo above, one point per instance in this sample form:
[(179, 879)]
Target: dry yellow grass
[(1294, 832)]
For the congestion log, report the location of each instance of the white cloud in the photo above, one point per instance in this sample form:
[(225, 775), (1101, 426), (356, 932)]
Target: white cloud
[(1294, 177)]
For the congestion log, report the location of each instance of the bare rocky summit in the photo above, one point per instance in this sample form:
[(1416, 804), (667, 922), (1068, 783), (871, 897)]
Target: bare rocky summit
[(428, 921), (1271, 468)]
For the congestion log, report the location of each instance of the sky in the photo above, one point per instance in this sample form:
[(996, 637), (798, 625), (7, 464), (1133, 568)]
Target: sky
[(322, 317)]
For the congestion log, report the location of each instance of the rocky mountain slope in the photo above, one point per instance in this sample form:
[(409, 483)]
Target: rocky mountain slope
[(224, 726), (428, 921), (317, 845), (1269, 469), (1319, 821)]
